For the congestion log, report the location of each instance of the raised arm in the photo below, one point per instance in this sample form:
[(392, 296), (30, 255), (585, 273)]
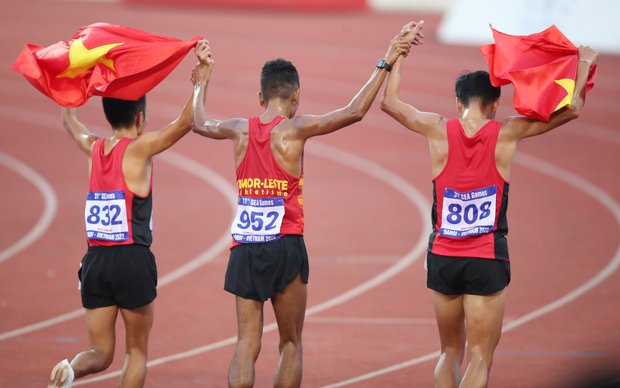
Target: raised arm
[(79, 133), (424, 123), (520, 127), (153, 143), (314, 125), (211, 128)]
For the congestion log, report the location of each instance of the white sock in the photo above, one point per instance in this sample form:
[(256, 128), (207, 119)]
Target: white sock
[(70, 375)]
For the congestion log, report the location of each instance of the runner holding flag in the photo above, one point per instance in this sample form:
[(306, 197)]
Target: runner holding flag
[(467, 260), (118, 274)]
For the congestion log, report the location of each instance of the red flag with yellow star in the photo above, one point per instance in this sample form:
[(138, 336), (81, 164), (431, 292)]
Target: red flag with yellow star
[(102, 59), (542, 67)]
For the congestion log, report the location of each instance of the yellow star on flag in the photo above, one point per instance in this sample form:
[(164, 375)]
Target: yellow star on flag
[(82, 59), (568, 85)]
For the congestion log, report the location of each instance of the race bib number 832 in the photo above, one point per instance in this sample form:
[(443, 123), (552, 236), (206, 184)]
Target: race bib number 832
[(106, 216), (468, 214)]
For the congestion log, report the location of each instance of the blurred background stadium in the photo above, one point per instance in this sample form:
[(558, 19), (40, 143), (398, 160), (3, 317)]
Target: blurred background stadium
[(367, 196)]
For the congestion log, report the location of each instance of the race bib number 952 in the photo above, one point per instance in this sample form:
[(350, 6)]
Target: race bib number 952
[(468, 214), (106, 216), (258, 220)]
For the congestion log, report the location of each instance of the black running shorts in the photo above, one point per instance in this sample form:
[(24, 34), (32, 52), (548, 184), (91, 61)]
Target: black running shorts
[(466, 275), (122, 275), (259, 271)]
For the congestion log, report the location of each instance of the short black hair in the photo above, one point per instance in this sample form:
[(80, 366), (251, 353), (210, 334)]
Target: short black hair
[(122, 113), (278, 79), (476, 84)]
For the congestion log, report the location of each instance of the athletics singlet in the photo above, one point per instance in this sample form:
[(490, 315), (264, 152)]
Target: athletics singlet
[(270, 203), (470, 197), (114, 215)]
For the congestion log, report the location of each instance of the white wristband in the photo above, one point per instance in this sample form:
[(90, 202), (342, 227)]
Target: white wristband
[(585, 60)]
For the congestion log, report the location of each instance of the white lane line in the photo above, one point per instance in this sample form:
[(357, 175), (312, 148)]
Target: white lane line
[(571, 179), (596, 193), (202, 172), (50, 205), (220, 184), (353, 259), (371, 321), (365, 166), (596, 132), (377, 320), (42, 324)]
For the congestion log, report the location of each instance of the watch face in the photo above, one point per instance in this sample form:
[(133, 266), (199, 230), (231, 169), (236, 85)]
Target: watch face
[(382, 64)]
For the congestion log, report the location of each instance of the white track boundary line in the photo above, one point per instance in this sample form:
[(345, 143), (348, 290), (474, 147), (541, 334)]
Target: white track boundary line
[(178, 160), (50, 205), (370, 321), (571, 179), (357, 163), (220, 184)]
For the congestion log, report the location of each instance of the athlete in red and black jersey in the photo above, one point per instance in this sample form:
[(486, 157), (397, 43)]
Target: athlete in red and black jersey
[(467, 260), (118, 273), (114, 214), (268, 258)]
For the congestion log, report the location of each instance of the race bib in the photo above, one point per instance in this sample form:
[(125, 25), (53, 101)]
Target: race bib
[(468, 214), (258, 220), (106, 216)]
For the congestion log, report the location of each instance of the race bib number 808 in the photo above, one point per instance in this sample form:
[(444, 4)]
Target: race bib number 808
[(106, 216), (470, 213), (258, 220)]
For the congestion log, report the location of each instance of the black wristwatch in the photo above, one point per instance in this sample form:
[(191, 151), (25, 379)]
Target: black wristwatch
[(382, 64)]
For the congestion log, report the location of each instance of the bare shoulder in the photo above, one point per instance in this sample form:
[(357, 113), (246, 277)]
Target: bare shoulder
[(288, 125), (284, 132), (238, 124), (134, 148), (300, 122), (435, 129), (429, 124), (232, 128), (509, 128), (299, 126), (511, 122)]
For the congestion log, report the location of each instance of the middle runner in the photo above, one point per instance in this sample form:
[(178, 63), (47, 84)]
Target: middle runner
[(268, 258)]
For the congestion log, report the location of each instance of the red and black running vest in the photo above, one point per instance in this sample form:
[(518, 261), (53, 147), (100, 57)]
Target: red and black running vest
[(114, 215), (270, 203), (470, 197)]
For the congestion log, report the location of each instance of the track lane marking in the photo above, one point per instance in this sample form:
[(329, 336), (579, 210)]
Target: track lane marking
[(50, 205), (571, 179)]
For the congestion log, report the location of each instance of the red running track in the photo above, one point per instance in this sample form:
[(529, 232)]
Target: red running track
[(367, 206)]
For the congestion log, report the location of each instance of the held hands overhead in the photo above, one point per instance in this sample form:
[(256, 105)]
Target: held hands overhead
[(202, 71), (410, 35)]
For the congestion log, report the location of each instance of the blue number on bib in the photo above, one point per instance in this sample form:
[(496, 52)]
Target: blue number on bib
[(258, 219), (106, 216), (93, 217), (274, 218), (454, 213), (468, 214)]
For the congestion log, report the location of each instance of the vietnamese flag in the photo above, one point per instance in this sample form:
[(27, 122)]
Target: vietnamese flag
[(542, 67), (104, 60)]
